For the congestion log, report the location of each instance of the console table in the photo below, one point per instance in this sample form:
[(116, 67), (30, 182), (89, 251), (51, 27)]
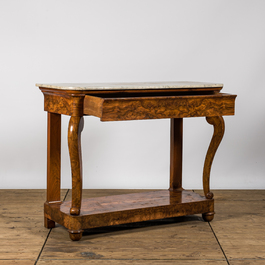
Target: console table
[(129, 101)]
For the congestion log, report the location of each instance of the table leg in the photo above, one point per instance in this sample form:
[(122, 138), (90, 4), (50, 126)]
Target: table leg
[(176, 135), (53, 162), (76, 125), (219, 127)]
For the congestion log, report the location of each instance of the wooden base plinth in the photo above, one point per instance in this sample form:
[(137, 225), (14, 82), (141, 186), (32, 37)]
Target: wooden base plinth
[(128, 208)]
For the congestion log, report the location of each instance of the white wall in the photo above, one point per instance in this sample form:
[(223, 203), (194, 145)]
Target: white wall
[(133, 40)]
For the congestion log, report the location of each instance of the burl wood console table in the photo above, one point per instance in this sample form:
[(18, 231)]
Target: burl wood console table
[(129, 101)]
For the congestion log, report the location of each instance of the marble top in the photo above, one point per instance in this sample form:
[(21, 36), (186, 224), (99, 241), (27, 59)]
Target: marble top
[(131, 86)]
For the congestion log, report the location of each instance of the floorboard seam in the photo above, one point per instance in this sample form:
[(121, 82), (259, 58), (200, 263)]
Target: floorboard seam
[(48, 235), (219, 244), (66, 195), (42, 247)]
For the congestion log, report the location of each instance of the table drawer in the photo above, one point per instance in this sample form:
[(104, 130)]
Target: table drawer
[(115, 108)]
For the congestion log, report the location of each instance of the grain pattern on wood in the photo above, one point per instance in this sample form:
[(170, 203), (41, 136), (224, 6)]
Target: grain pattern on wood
[(176, 135), (53, 161), (17, 262), (63, 103), (159, 107), (94, 107), (247, 262), (76, 125), (238, 195), (161, 241), (21, 232), (77, 104), (131, 105), (131, 201), (239, 224), (121, 209), (95, 260), (219, 127), (239, 227), (58, 103)]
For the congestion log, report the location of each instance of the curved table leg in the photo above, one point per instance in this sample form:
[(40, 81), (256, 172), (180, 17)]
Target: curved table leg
[(219, 128), (76, 125)]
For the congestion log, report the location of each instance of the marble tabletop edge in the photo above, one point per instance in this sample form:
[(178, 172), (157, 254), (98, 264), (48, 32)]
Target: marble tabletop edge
[(130, 85)]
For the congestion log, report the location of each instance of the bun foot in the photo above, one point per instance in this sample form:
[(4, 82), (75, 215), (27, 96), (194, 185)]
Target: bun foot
[(208, 217), (48, 223), (75, 235)]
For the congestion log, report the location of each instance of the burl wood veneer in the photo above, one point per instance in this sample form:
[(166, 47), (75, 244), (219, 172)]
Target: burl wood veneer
[(129, 101)]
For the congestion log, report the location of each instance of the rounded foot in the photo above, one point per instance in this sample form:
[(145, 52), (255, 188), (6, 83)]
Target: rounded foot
[(75, 235), (208, 217), (74, 211), (48, 223)]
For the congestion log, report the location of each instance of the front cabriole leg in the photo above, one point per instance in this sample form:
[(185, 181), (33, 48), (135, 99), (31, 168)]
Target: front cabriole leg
[(219, 128), (76, 125)]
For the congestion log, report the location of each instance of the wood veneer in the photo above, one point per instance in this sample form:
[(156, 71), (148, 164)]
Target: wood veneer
[(176, 104), (176, 138), (76, 125), (158, 107), (53, 162), (128, 208)]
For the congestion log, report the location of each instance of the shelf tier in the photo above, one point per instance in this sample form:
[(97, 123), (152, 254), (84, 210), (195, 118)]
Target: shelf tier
[(128, 208)]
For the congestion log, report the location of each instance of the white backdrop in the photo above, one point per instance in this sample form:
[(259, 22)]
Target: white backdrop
[(133, 40)]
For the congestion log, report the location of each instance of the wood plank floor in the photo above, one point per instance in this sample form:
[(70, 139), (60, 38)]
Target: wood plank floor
[(236, 236)]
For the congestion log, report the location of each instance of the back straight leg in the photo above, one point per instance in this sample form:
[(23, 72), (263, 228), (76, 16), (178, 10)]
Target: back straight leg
[(53, 162), (176, 146), (176, 138)]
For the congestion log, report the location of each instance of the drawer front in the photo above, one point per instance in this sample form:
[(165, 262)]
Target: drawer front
[(139, 108)]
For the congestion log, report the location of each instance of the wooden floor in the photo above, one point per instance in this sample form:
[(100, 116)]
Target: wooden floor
[(236, 236)]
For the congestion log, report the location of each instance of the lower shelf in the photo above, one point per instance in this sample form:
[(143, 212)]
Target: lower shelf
[(128, 208)]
